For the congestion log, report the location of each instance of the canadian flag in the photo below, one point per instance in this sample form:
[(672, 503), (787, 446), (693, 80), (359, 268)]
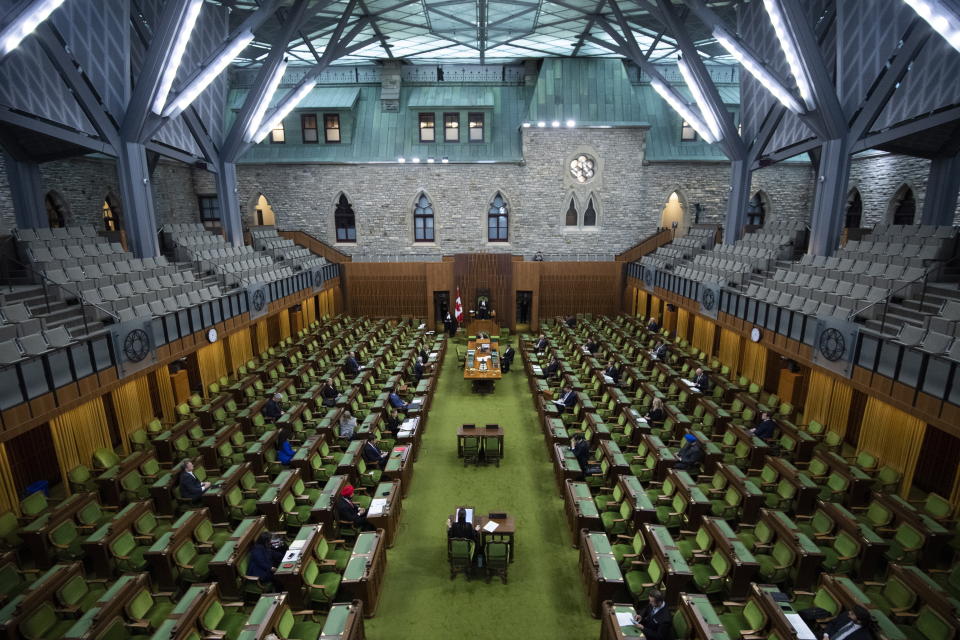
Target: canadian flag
[(458, 308)]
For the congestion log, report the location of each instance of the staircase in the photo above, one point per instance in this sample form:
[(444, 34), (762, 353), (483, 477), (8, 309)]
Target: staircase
[(56, 314)]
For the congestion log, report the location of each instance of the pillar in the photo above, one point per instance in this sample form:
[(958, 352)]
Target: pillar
[(830, 196), (943, 183), (139, 218), (27, 192), (740, 178), (229, 203)]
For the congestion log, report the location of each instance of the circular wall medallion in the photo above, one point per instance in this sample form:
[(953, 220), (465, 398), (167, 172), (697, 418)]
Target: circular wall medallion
[(212, 335), (832, 344), (318, 278), (755, 334), (709, 299), (649, 276), (136, 345), (259, 299), (583, 168)]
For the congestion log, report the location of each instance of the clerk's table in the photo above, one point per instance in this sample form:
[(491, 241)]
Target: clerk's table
[(482, 366)]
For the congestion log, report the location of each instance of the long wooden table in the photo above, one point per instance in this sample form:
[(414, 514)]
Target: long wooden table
[(484, 378)]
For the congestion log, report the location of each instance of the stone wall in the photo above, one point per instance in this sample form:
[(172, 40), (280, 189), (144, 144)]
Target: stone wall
[(7, 219), (879, 177)]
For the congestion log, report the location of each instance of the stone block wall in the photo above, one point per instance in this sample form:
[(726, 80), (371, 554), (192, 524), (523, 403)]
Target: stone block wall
[(879, 177)]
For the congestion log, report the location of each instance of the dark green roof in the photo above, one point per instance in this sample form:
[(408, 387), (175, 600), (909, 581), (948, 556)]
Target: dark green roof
[(465, 97), (586, 90)]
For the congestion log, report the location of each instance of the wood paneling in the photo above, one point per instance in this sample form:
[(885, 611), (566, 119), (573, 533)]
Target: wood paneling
[(386, 289), (488, 272), (580, 287)]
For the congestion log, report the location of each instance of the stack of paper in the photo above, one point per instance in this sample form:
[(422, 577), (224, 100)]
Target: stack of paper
[(377, 505), (490, 526), (625, 619)]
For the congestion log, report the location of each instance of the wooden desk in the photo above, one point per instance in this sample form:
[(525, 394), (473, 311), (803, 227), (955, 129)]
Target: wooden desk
[(160, 556), (215, 498), (363, 577), (565, 466), (96, 548), (324, 509), (935, 535), (780, 614), (36, 534), (399, 466), (702, 617), (225, 564), (751, 497), (860, 484), (809, 557), (256, 453), (599, 571), (505, 531), (873, 548), (743, 565), (611, 629), (289, 575), (269, 504), (387, 517), (581, 510), (807, 490), (482, 432), (206, 412), (482, 368), (664, 550)]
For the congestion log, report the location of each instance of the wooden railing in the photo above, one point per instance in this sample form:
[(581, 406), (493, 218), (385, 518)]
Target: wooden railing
[(645, 246), (318, 247)]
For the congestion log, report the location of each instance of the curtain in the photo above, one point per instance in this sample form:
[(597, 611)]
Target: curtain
[(131, 406), (703, 332), (641, 303), (9, 500), (241, 351), (211, 363), (284, 319), (263, 341), (168, 404), (754, 364), (893, 436), (730, 351), (828, 402), (683, 323), (78, 433)]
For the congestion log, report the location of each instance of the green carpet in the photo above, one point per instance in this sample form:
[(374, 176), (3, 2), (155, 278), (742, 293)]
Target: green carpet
[(544, 597)]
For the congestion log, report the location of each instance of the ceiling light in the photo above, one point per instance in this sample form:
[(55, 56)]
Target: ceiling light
[(704, 105), (681, 107), (24, 24), (401, 159), (444, 159), (264, 103), (555, 123), (526, 125), (758, 71), (571, 123), (939, 17), (790, 51), (541, 124), (180, 41), (414, 160), (430, 161), (202, 80), (291, 100)]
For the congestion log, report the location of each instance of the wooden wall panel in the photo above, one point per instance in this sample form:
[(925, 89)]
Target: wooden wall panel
[(386, 289), (580, 287), (526, 277), (439, 278), (474, 272)]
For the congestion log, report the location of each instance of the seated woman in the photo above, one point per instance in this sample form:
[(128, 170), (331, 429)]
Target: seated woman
[(285, 452), (264, 560), (656, 415)]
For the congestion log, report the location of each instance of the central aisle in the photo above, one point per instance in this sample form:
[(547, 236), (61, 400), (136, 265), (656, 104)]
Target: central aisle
[(543, 597)]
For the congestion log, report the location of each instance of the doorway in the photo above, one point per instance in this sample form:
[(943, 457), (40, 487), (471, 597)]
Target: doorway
[(441, 304), (524, 306), (674, 216)]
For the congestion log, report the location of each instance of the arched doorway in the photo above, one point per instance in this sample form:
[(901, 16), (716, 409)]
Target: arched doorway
[(854, 211), (262, 214), (58, 211), (757, 209), (674, 215), (112, 218), (903, 206)]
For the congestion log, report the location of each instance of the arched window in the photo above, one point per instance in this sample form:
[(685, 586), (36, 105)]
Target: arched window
[(904, 206), (571, 220), (756, 210), (111, 217), (345, 221), (590, 215), (497, 220), (263, 213), (423, 219), (854, 210), (58, 211)]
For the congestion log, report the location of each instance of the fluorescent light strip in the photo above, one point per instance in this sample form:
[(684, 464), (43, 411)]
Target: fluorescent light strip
[(705, 111), (176, 55), (208, 75), (943, 21), (681, 107), (790, 51), (291, 100), (25, 23), (758, 71), (272, 83)]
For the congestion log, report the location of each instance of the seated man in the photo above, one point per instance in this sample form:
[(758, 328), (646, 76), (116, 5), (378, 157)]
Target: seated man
[(272, 410), (568, 400), (592, 345), (552, 370), (612, 372), (397, 402), (702, 381), (461, 528), (766, 429), (581, 451), (329, 393), (690, 455), (372, 455), (350, 511), (506, 360), (652, 325), (348, 424), (391, 422), (264, 560), (190, 487), (655, 618), (541, 344), (351, 366)]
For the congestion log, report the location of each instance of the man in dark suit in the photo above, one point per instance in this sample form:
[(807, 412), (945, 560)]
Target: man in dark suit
[(612, 372), (349, 510), (652, 325), (690, 454), (391, 422), (190, 487), (351, 366), (450, 324), (507, 358), (372, 455), (660, 351), (592, 345), (853, 626), (572, 322), (568, 400), (581, 451), (552, 370), (272, 410), (655, 618), (482, 312), (418, 369), (264, 560), (542, 344), (702, 381), (766, 429), (329, 393)]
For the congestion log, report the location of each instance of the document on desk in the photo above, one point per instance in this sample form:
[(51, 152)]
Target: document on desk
[(491, 526), (537, 371), (803, 631), (607, 379), (625, 619), (377, 505)]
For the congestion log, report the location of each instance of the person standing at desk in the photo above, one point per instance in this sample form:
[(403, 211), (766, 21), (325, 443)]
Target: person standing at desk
[(190, 487), (271, 410), (351, 365), (661, 351), (506, 359), (450, 325), (655, 618), (418, 369)]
